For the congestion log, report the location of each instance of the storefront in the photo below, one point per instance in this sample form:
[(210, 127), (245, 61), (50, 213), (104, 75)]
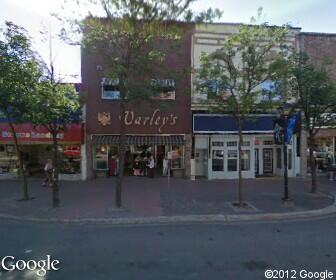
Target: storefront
[(216, 148), (139, 148), (325, 149), (36, 146), (158, 126)]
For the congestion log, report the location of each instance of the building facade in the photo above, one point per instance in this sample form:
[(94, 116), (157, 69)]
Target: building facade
[(216, 135), (321, 49), (152, 128)]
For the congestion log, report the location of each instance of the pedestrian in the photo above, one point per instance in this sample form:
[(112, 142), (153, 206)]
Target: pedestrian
[(48, 171), (151, 165), (136, 167), (165, 166)]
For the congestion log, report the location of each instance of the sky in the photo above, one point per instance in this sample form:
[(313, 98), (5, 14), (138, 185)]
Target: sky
[(35, 16)]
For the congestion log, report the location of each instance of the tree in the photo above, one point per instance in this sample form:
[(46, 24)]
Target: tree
[(54, 107), (19, 75), (232, 75), (316, 94), (132, 41)]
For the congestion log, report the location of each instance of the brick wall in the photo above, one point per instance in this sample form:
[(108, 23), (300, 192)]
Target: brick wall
[(321, 49)]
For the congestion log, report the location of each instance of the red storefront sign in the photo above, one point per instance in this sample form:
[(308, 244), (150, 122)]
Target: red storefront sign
[(28, 134)]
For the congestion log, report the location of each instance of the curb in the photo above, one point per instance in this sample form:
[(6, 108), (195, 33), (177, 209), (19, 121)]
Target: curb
[(202, 219)]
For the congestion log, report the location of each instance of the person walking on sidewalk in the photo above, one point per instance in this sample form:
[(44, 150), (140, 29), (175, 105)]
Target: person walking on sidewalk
[(151, 166), (48, 171)]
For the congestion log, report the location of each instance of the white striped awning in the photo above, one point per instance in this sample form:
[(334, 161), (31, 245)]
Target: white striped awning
[(139, 139)]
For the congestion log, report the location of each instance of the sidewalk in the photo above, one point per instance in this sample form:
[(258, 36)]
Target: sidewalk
[(150, 198)]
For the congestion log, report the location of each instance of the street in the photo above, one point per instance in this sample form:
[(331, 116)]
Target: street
[(197, 251)]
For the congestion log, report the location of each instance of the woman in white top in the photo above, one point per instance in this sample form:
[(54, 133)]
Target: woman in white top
[(151, 166)]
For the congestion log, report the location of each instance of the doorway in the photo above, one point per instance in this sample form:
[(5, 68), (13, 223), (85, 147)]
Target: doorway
[(256, 162), (268, 161)]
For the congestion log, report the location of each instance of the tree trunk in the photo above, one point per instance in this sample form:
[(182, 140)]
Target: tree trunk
[(21, 165), (240, 176), (55, 191), (122, 141), (312, 162)]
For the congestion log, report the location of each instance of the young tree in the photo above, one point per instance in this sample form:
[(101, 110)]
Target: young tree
[(54, 107), (232, 75), (132, 41), (19, 75), (316, 99)]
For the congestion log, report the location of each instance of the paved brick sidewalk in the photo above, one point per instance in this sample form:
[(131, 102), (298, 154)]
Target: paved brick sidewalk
[(144, 197)]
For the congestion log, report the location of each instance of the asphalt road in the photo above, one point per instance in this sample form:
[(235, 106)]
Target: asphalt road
[(231, 251)]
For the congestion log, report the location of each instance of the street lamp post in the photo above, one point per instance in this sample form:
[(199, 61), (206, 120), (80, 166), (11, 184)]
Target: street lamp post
[(284, 120), (285, 155)]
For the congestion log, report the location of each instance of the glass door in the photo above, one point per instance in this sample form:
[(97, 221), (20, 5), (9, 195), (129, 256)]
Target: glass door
[(267, 161)]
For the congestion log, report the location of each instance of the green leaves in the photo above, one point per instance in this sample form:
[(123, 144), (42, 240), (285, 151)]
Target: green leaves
[(241, 65), (19, 72)]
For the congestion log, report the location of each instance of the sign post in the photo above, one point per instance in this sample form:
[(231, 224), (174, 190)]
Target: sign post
[(170, 157)]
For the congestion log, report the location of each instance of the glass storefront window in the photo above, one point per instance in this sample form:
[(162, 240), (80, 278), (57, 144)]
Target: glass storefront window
[(232, 160), (232, 144), (177, 157), (245, 160), (217, 160), (8, 158), (71, 159), (101, 157)]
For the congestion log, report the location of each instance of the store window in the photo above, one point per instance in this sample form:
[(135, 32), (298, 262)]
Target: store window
[(232, 160), (232, 144), (101, 157), (217, 144), (278, 153), (110, 89), (164, 89), (217, 160), (246, 144), (177, 157), (71, 159), (245, 160), (2, 148)]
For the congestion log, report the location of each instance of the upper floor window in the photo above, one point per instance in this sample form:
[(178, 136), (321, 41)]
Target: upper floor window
[(164, 88), (110, 89), (270, 90), (216, 88)]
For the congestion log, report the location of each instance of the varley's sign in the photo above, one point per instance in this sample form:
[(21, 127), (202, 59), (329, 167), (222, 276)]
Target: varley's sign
[(130, 118)]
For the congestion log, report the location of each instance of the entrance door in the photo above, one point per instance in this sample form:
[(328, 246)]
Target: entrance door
[(201, 162), (256, 162), (267, 161)]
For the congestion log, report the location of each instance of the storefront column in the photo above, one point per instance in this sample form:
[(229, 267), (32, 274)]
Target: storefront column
[(303, 153), (188, 152), (83, 163), (89, 157)]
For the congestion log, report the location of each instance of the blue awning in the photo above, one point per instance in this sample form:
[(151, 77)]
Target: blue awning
[(207, 123)]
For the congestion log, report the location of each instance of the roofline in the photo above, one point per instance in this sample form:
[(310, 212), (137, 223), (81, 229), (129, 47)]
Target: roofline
[(241, 23), (318, 34)]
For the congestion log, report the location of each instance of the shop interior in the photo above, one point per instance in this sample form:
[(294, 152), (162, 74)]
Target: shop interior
[(35, 157), (106, 158)]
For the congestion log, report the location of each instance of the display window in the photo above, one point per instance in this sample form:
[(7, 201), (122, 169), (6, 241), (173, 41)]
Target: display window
[(217, 160), (101, 157), (245, 160), (232, 160), (177, 157)]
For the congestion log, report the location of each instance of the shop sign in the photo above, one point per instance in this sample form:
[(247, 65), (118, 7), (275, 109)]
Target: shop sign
[(30, 135), (130, 118)]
